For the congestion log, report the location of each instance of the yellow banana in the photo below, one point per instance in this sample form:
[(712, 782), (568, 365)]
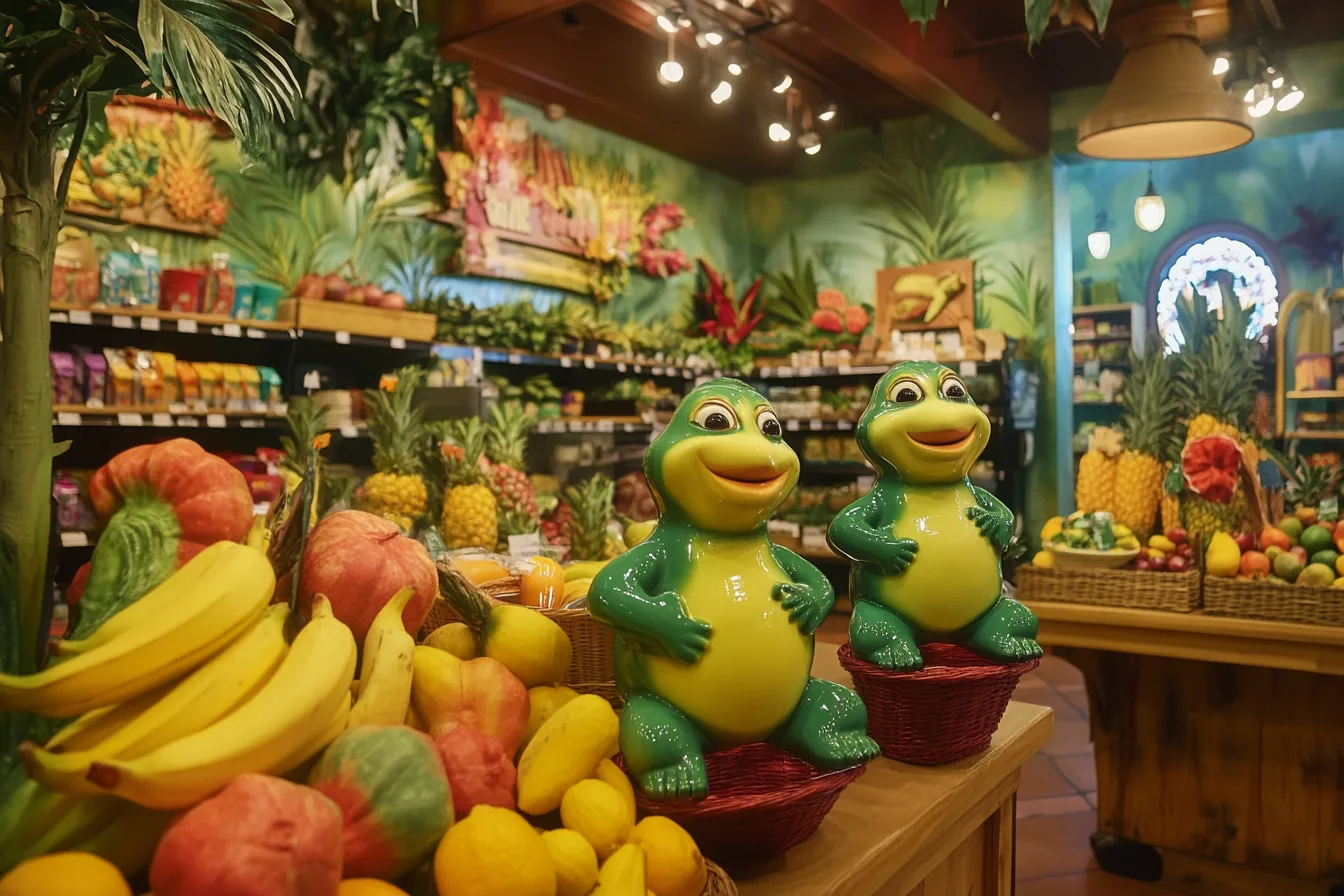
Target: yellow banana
[(584, 569), (150, 606), (297, 702), (315, 744), (97, 725), (129, 838), (84, 817), (385, 676), (577, 588), (200, 699), (202, 622), (259, 536)]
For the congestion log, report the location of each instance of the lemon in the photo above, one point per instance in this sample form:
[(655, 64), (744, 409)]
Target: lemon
[(368, 886), (599, 812), (673, 864), (574, 860), (1044, 560), (455, 638), (65, 874), (609, 772), (1052, 527), (491, 852)]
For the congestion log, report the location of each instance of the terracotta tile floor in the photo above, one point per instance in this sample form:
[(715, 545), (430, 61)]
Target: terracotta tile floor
[(1056, 803)]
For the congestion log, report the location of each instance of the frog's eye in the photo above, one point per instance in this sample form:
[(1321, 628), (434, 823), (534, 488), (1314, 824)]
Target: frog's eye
[(905, 392), (715, 416), (769, 423), (954, 389)]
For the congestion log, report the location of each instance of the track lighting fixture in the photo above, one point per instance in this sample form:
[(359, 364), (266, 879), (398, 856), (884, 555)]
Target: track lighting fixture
[(827, 113), (720, 94), (779, 133), (783, 84)]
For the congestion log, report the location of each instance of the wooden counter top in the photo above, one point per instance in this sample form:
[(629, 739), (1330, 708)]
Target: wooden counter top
[(1193, 636), (898, 823)]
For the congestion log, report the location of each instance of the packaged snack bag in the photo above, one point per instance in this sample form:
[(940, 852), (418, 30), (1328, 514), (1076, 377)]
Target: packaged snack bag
[(270, 386), (189, 383), (93, 377), (64, 387), (251, 383), (165, 365), (219, 287), (120, 379), (233, 383)]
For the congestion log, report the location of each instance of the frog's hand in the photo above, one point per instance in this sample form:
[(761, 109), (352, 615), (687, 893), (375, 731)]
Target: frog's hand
[(992, 517), (862, 532), (626, 595), (809, 597)]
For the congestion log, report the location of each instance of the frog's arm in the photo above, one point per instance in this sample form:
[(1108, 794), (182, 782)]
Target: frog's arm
[(992, 517), (626, 595), (862, 531), (809, 597)]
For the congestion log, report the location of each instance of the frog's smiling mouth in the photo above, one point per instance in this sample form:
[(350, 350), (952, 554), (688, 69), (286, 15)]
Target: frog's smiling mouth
[(763, 479), (944, 439)]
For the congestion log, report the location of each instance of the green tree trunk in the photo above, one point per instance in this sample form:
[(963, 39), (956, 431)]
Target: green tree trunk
[(28, 229)]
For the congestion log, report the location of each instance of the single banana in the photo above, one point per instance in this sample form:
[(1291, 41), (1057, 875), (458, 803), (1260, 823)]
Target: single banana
[(202, 698), (83, 817), (584, 569), (315, 744), (202, 622), (297, 702), (97, 725), (150, 605), (258, 535), (389, 651), (576, 588)]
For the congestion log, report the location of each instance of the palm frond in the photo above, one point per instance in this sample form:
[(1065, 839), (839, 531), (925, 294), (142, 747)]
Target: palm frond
[(794, 296)]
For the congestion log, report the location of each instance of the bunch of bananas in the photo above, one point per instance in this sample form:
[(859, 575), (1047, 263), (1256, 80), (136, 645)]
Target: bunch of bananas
[(188, 687)]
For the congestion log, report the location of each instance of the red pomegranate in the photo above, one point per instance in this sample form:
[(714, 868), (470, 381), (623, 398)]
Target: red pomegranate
[(359, 561)]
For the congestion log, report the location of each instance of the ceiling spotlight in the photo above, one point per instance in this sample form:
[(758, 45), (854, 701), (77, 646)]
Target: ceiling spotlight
[(1261, 100), (667, 24), (827, 113), (1220, 66), (734, 68), (721, 93), (1277, 82), (713, 38), (779, 133), (1149, 209), (813, 150), (784, 84), (683, 22), (1291, 99), (1099, 240), (810, 141), (1275, 75), (670, 72), (748, 4)]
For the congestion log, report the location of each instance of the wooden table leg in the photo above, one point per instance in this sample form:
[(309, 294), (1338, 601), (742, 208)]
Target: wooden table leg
[(1237, 765)]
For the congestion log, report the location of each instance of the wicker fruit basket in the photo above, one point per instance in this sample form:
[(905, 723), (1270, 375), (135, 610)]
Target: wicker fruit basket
[(762, 802), (1133, 589), (947, 711), (718, 883), (1272, 601), (591, 669)]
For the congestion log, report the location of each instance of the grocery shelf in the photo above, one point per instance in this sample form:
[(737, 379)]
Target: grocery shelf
[(838, 468), (1113, 308), (816, 425), (342, 337), (593, 424), (1310, 394), (767, 372), (78, 540), (1323, 434), (153, 417), (588, 362), (155, 320)]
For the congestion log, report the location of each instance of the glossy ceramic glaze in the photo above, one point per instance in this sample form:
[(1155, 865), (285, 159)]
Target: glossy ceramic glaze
[(715, 623), (925, 543)]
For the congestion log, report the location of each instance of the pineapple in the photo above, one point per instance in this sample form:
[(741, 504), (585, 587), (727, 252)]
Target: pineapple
[(1149, 422), (505, 445), (188, 185), (1309, 483), (591, 504), (470, 513), (397, 489), (307, 420), (1096, 470)]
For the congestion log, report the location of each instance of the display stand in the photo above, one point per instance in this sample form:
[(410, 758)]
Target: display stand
[(1220, 758), (913, 831)]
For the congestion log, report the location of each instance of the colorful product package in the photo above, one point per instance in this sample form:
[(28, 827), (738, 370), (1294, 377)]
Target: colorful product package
[(211, 383), (181, 290), (165, 365), (270, 386), (149, 279), (233, 383), (251, 383), (219, 286), (266, 301), (120, 379), (116, 278), (189, 383), (243, 290), (92, 372), (64, 385), (149, 385)]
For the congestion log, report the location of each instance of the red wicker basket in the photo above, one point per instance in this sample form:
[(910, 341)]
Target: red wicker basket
[(947, 711), (762, 802)]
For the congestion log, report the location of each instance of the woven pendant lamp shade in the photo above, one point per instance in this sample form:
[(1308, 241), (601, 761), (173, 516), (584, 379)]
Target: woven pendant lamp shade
[(1164, 102)]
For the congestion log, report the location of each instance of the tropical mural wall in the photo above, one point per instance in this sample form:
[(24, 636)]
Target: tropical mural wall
[(914, 192)]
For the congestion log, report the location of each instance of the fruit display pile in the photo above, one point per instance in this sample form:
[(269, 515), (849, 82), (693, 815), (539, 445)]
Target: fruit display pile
[(254, 717), (1301, 549), (1170, 551)]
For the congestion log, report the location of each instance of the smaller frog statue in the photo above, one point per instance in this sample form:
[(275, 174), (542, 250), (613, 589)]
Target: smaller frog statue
[(925, 542), (714, 623)]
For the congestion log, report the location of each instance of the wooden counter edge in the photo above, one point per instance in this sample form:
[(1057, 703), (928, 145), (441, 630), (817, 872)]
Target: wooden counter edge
[(1193, 636), (897, 822)]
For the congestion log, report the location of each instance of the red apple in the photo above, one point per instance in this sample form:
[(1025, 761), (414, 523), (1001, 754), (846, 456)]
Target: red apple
[(393, 301), (1245, 541), (1177, 535), (1185, 550), (1143, 554), (1178, 564), (310, 286), (1299, 552), (1157, 564), (335, 288), (1142, 563), (373, 294)]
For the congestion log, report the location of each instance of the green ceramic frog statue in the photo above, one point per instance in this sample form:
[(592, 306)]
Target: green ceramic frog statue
[(714, 623), (925, 542)]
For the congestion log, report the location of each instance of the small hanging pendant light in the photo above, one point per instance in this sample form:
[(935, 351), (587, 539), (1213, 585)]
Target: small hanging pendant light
[(1099, 240), (1149, 209)]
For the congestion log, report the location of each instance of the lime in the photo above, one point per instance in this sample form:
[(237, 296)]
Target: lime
[(1316, 538)]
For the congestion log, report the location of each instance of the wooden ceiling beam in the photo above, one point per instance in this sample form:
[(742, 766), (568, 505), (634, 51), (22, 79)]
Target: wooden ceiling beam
[(461, 19), (968, 89)]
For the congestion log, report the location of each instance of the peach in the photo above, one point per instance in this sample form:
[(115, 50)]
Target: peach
[(1254, 565)]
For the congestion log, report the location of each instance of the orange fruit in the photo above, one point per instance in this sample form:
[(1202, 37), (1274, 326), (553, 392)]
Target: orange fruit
[(479, 570), (543, 585)]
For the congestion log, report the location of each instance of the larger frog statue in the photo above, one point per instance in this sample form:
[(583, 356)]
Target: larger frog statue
[(714, 622), (925, 542)]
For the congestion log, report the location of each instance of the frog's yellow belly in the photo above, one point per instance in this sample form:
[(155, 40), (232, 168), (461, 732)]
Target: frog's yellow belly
[(757, 664), (955, 575)]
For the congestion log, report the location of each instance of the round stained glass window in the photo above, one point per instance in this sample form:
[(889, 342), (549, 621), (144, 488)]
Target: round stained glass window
[(1196, 270)]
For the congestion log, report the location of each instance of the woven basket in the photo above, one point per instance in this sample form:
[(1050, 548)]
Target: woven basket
[(591, 669), (762, 802), (947, 711), (1269, 600), (718, 883), (1174, 592)]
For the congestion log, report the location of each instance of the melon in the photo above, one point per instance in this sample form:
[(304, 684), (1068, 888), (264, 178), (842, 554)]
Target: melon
[(393, 796), (260, 836), (359, 561), (480, 772)]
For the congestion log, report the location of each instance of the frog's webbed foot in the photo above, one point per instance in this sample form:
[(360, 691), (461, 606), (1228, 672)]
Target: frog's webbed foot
[(663, 749), (1006, 633), (828, 727), (879, 636)]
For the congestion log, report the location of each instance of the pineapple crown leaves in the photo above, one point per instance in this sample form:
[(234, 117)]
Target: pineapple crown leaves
[(506, 434), (307, 420), (1309, 483), (466, 599), (1217, 373), (395, 425), (1151, 405), (462, 459), (591, 505)]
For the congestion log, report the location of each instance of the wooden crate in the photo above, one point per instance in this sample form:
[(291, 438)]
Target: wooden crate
[(1173, 592), (1270, 600), (362, 320)]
